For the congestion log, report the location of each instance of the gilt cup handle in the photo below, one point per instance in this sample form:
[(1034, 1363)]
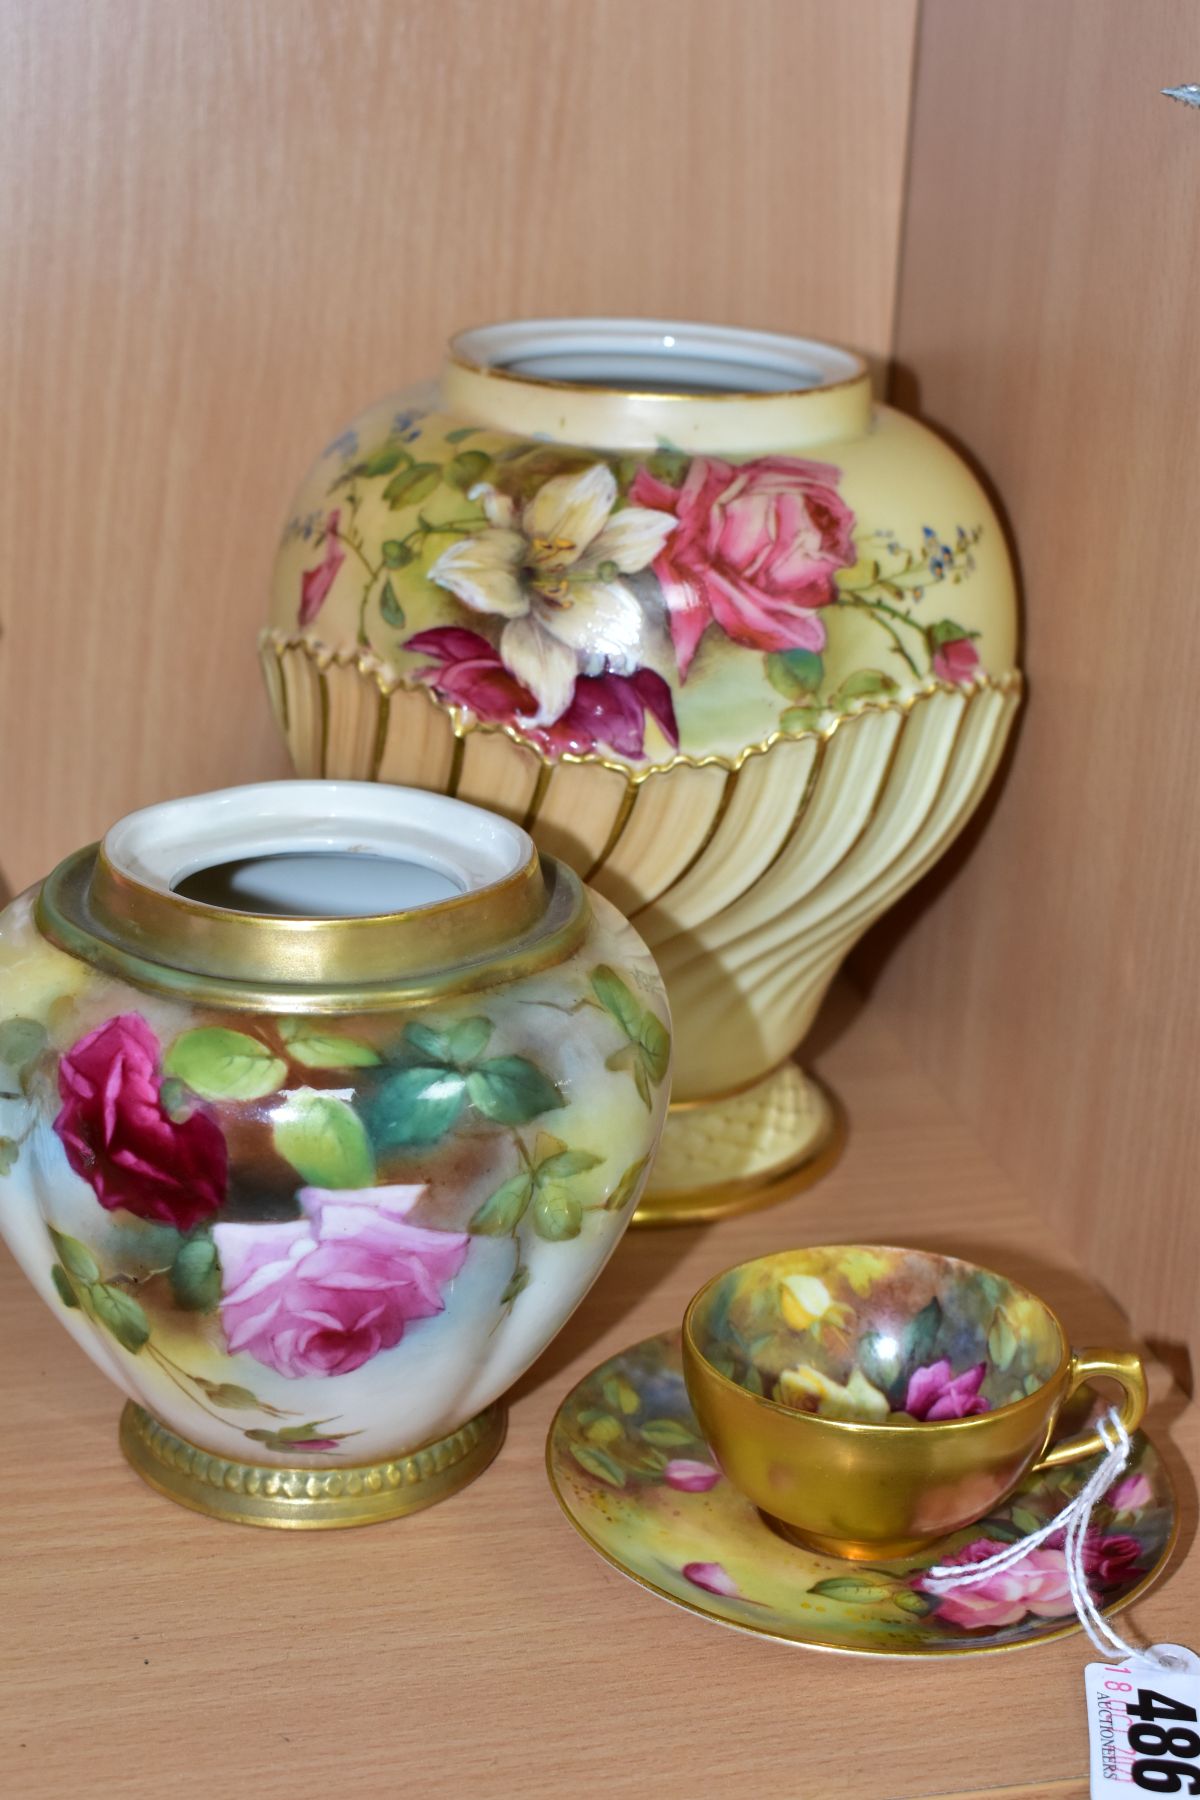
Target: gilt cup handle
[(1121, 1366)]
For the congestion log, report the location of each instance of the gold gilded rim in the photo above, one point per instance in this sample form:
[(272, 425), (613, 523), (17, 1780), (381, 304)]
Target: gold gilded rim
[(914, 1654), (752, 1193), (389, 680), (301, 1498), (863, 1427), (340, 984), (218, 940)]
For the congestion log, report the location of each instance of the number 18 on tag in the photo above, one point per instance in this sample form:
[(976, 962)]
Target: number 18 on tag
[(1143, 1725)]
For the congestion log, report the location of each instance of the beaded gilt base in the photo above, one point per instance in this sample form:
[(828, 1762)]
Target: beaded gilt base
[(740, 1151), (309, 1499)]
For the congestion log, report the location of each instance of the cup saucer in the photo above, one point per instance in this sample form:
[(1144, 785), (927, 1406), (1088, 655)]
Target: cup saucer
[(636, 1479)]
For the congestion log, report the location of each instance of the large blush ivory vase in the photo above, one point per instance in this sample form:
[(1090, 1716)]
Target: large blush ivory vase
[(732, 640)]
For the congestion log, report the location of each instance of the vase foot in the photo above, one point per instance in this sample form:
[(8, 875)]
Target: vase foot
[(309, 1498), (737, 1152)]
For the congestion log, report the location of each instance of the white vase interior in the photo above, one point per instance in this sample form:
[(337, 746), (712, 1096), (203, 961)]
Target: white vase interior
[(334, 884), (657, 355), (317, 849)]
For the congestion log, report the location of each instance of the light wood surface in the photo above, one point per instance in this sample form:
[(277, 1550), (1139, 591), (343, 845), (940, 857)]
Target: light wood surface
[(226, 225), (1047, 316), (481, 1648)]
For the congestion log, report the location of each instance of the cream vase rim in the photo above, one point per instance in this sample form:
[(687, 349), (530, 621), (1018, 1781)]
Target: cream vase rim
[(635, 384)]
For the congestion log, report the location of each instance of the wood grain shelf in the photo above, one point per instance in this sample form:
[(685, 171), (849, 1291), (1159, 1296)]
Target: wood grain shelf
[(480, 1648)]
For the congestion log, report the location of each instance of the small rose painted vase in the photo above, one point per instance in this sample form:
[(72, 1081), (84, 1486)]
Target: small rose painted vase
[(733, 641), (321, 1107)]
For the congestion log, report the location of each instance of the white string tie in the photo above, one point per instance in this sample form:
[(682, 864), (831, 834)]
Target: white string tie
[(1074, 1521)]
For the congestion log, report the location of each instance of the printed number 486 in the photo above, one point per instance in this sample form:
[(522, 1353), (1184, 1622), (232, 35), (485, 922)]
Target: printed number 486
[(1156, 1745)]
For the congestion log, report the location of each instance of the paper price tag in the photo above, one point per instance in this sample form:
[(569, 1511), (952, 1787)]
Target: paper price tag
[(1144, 1725)]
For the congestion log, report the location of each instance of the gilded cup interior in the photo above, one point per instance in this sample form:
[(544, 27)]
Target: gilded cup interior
[(876, 1336)]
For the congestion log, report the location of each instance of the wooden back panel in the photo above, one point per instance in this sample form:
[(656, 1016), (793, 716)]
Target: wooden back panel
[(1048, 307)]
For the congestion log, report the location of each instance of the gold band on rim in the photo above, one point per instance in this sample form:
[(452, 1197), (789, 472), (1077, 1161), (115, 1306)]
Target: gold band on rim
[(266, 964), (243, 946)]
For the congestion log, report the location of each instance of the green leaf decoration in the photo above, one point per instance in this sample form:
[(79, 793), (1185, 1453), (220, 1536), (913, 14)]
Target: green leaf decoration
[(599, 1463), (21, 1042), (621, 1395), (655, 1041), (801, 718), (468, 1038), (604, 1430), (390, 609), (120, 1313), (752, 1380), (648, 1053), (505, 1209), (460, 432), (520, 1281), (412, 485), (654, 1459), (196, 1274), (852, 1590), (291, 1435), (626, 1189), (9, 1152), (1002, 1339), (75, 1257), (324, 1140), (1025, 1521), (910, 1601), (667, 1433), (668, 465), (384, 460), (920, 1335), (947, 632), (417, 1106), (565, 1163), (556, 1214), (318, 1049), (510, 1089), (62, 1282), (468, 467), (866, 682), (396, 554), (219, 1064), (228, 1393), (879, 1359), (432, 1045), (795, 672), (176, 1098), (616, 998)]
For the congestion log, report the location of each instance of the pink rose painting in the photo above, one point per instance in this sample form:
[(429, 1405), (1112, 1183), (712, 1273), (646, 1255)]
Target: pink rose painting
[(956, 659), (323, 1294), (690, 1476), (1038, 1584), (755, 550), (934, 1392), (120, 1138), (1109, 1560), (605, 711), (712, 1577), (1130, 1494), (315, 583)]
